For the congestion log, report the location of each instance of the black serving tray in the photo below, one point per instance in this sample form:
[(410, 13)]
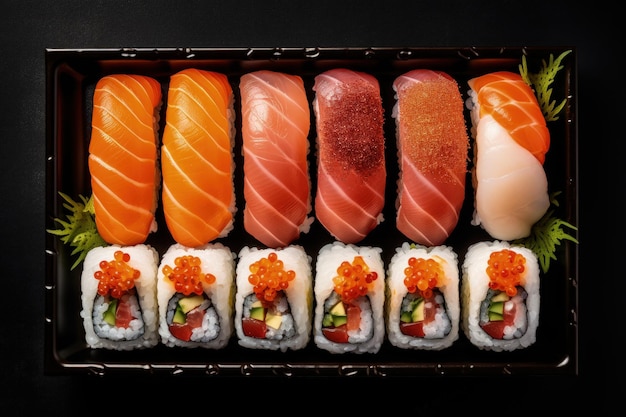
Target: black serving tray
[(71, 75)]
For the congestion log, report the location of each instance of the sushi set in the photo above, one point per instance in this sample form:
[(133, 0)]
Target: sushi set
[(311, 211)]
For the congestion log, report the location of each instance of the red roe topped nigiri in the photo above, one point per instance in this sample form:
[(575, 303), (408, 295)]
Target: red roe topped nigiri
[(506, 269), (422, 275), (187, 276), (116, 276), (354, 279), (269, 277)]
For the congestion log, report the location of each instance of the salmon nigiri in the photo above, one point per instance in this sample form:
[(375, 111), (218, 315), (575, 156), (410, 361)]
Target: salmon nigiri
[(275, 127), (512, 103), (123, 157), (351, 153), (511, 140), (432, 152), (197, 157)]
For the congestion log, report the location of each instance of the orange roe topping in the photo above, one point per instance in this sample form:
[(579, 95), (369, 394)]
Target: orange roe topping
[(432, 120), (353, 279), (116, 277), (268, 276), (506, 270), (187, 275), (422, 275)]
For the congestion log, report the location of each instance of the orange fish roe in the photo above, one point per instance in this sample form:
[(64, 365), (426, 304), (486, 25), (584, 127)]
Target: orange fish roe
[(506, 270), (354, 279), (268, 276), (187, 275), (422, 275), (116, 276)]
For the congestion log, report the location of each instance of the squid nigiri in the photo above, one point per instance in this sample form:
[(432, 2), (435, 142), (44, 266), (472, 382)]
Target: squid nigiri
[(196, 157), (351, 153), (123, 157), (432, 151), (511, 140), (275, 127)]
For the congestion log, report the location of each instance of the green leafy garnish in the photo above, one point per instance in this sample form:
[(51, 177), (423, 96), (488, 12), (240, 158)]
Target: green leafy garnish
[(546, 235), (541, 81), (79, 231)]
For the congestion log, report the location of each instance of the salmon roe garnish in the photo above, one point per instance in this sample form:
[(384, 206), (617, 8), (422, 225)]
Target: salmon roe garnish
[(506, 270), (422, 275), (268, 276), (187, 276), (353, 279), (116, 276)]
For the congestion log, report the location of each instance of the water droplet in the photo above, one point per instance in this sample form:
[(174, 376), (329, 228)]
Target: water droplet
[(404, 54), (311, 52), (467, 53), (277, 53)]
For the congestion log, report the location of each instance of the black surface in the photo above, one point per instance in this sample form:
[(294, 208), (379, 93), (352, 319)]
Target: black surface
[(29, 27)]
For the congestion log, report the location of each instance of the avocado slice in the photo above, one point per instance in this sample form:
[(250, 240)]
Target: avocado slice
[(273, 320), (501, 296), (418, 311), (327, 320), (405, 317), (189, 303), (338, 309), (257, 313), (339, 320), (109, 314), (497, 307), (495, 316), (179, 316)]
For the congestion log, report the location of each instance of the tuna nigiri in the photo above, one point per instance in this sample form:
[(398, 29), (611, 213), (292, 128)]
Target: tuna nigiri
[(351, 153), (123, 157), (432, 152), (275, 127), (197, 158), (511, 139)]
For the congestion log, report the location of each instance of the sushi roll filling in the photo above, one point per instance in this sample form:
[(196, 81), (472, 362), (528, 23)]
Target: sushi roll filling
[(118, 319), (192, 318), (502, 316), (268, 320), (347, 322), (424, 317)]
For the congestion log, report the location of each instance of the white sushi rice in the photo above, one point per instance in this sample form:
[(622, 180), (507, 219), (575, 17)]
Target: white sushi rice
[(142, 334), (217, 325), (232, 131), (371, 334), (474, 289), (295, 330), (444, 330)]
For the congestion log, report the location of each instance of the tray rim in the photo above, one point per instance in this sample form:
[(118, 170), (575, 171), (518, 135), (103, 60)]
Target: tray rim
[(54, 362)]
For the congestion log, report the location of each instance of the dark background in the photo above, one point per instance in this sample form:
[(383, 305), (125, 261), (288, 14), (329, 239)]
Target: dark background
[(28, 27)]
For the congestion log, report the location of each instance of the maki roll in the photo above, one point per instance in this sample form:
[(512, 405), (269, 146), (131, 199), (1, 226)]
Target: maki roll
[(422, 308), (350, 296), (274, 300), (118, 294), (500, 296), (195, 290)]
